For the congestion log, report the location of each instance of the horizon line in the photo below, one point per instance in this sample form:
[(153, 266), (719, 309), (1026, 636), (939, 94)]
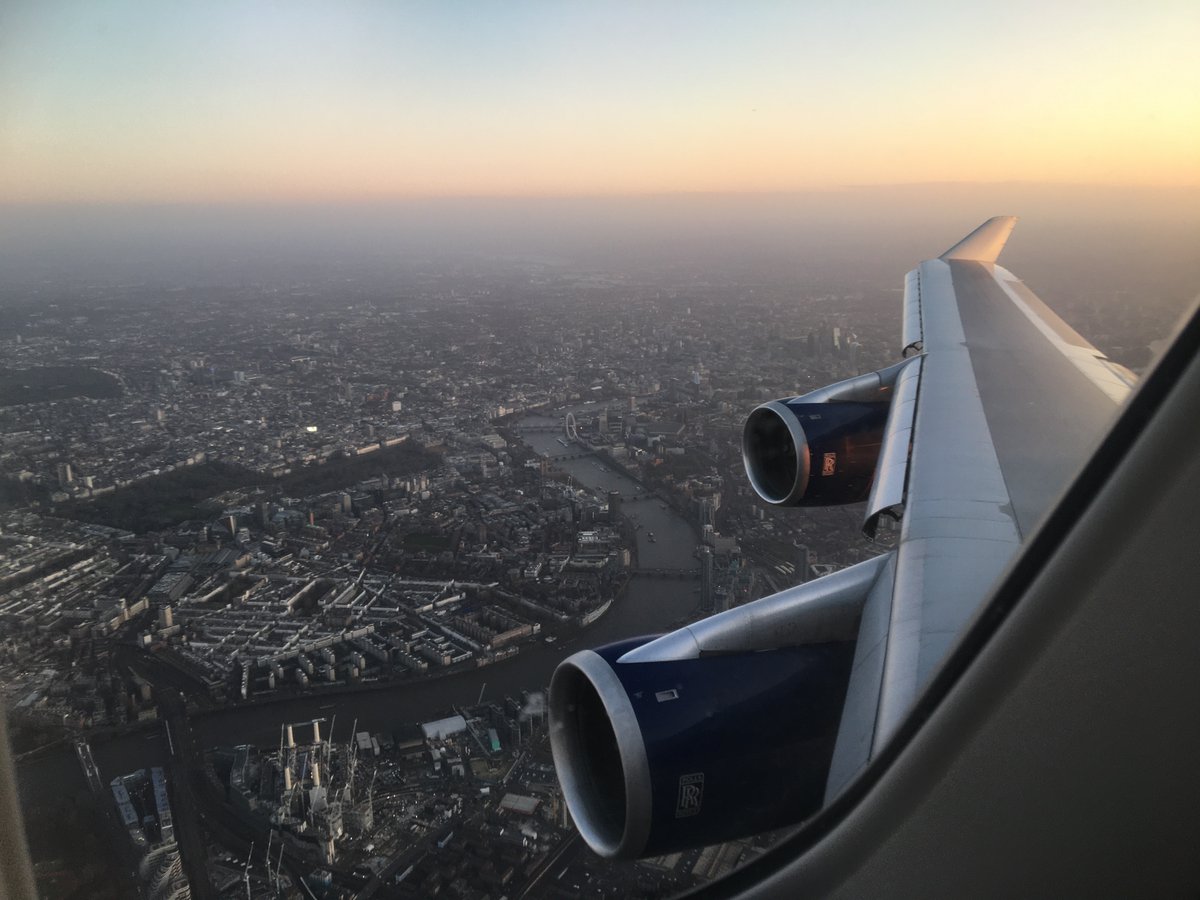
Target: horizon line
[(385, 199)]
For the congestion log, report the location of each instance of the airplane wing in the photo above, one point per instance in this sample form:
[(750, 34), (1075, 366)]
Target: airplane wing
[(1010, 402), (752, 718)]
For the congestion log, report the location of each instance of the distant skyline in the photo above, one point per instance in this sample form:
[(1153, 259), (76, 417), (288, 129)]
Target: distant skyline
[(140, 102)]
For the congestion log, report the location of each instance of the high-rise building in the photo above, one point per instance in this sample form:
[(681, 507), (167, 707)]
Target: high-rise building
[(65, 476), (707, 588), (614, 506)]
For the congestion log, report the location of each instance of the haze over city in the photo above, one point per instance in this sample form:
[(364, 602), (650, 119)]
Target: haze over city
[(220, 140)]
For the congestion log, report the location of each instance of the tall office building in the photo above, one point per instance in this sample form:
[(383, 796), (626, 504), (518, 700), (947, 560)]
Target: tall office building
[(707, 588), (614, 506)]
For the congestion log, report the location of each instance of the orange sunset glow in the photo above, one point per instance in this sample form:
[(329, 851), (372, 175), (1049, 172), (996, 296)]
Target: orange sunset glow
[(127, 102)]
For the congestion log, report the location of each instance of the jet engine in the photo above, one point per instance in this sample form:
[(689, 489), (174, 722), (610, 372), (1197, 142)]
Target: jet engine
[(813, 454), (820, 449), (661, 755)]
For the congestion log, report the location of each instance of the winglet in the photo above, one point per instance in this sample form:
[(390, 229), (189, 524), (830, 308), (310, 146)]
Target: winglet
[(985, 242)]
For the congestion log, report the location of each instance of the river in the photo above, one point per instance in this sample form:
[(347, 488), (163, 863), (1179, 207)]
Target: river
[(648, 606)]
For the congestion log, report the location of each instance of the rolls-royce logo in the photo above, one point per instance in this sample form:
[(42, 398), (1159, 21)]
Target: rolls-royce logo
[(691, 793), (829, 464)]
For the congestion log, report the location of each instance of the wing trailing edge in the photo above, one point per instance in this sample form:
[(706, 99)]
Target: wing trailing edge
[(985, 242)]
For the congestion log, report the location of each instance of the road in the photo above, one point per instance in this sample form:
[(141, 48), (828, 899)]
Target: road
[(563, 855)]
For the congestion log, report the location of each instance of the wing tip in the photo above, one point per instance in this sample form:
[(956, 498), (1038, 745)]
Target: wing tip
[(985, 242)]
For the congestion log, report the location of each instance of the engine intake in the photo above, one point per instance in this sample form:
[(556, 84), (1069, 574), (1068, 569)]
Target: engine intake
[(803, 453), (659, 756)]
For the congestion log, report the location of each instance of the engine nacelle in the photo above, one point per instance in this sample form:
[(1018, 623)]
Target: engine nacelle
[(659, 756), (803, 453)]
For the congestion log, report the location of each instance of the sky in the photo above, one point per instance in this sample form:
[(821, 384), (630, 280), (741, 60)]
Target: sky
[(106, 102)]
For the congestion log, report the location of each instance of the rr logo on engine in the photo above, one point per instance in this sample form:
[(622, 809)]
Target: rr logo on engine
[(829, 464), (691, 793)]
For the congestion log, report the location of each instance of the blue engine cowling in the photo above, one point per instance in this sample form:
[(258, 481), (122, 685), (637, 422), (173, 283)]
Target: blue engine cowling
[(661, 756), (799, 453)]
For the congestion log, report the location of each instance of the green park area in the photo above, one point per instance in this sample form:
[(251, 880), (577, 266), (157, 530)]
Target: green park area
[(173, 497), (41, 384)]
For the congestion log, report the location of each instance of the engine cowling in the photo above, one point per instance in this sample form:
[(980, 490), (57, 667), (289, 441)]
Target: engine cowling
[(659, 756), (803, 453)]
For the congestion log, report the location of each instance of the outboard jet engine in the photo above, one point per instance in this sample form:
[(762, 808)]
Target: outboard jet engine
[(813, 454), (820, 449)]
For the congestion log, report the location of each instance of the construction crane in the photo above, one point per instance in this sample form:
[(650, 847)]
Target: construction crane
[(267, 855), (246, 870)]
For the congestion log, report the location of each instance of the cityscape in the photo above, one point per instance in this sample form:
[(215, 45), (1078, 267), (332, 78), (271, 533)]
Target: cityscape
[(287, 567), (285, 510)]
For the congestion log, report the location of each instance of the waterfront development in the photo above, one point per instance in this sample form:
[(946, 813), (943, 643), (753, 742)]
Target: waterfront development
[(408, 794), (649, 605), (646, 604)]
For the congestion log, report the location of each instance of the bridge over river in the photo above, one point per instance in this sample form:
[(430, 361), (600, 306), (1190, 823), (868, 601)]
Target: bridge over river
[(667, 573)]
